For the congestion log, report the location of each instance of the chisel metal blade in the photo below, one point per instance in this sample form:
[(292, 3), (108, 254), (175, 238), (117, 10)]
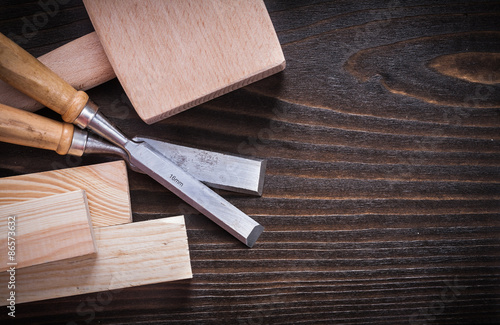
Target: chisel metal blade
[(217, 170), (25, 73), (193, 192)]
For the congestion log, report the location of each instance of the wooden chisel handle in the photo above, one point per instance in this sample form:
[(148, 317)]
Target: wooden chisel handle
[(81, 62), (32, 130), (24, 72)]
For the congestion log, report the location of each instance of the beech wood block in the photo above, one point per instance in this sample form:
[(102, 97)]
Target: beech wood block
[(106, 186), (129, 255), (44, 230), (173, 55), (381, 199)]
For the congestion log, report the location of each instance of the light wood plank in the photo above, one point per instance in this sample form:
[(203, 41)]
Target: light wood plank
[(82, 63), (106, 186), (173, 55), (129, 255), (378, 206), (45, 230)]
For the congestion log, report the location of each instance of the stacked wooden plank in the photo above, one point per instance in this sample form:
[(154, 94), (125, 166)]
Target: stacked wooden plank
[(69, 232), (45, 230)]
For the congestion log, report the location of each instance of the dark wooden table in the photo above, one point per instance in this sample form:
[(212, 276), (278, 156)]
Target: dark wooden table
[(381, 200)]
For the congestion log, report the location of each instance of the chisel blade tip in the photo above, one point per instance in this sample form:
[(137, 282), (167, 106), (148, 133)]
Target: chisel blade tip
[(260, 187), (254, 235)]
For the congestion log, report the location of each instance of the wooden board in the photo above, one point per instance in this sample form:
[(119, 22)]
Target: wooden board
[(379, 207), (129, 255), (82, 63), (106, 186), (172, 55), (45, 230)]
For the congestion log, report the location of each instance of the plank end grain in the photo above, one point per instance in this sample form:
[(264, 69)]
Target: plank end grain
[(44, 230)]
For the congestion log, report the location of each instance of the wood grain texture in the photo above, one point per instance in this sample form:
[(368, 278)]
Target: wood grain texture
[(379, 207), (195, 50), (82, 63), (44, 230), (106, 187), (28, 129), (125, 259), (24, 72)]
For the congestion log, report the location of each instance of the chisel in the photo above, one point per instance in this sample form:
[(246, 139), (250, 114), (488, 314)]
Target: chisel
[(27, 74), (215, 169)]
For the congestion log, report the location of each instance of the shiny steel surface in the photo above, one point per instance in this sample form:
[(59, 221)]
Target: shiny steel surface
[(78, 143), (86, 115), (218, 170), (100, 125), (193, 192), (143, 156)]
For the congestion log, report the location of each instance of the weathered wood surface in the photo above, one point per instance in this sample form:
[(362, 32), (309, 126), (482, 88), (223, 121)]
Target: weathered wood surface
[(381, 202)]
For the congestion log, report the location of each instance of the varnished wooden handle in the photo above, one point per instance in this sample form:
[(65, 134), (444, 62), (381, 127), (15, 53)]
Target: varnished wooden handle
[(28, 129), (81, 62), (24, 72)]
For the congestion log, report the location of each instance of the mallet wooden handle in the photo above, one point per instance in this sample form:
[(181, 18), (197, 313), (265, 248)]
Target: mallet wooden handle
[(28, 129), (24, 72), (81, 62)]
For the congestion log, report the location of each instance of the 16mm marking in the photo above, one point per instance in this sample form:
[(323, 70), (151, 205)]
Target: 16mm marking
[(176, 181)]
